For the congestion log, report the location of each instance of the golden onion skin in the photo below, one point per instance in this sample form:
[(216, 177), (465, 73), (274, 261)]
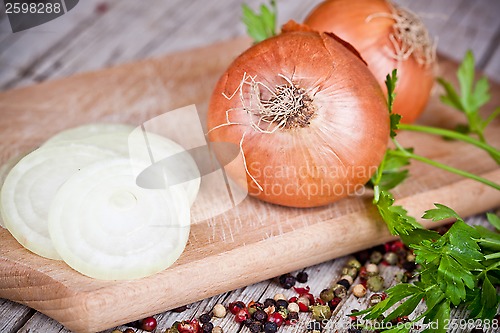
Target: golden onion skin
[(324, 161), (348, 20)]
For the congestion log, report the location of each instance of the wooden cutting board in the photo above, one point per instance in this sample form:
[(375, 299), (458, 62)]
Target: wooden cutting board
[(252, 242)]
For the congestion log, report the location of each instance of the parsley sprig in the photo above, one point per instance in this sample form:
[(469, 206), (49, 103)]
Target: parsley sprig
[(260, 26), (459, 268)]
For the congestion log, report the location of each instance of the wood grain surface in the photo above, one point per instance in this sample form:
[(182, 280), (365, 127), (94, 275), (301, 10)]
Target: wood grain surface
[(137, 92)]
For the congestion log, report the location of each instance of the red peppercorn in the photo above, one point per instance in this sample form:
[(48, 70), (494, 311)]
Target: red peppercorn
[(242, 315), (363, 274), (276, 318), (148, 324), (187, 326), (235, 307), (334, 302), (293, 299), (320, 301)]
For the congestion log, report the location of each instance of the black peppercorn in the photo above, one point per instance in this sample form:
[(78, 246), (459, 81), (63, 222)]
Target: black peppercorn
[(269, 302), (270, 327), (281, 303), (292, 316), (207, 327), (344, 283), (259, 315), (287, 281), (409, 266), (205, 318), (255, 327), (302, 277)]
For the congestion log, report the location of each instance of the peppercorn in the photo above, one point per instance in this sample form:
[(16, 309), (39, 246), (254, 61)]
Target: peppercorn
[(321, 312), (217, 329), (363, 274), (205, 318), (339, 290), (372, 269), (260, 315), (287, 281), (409, 266), (302, 277), (334, 302), (242, 315), (235, 307), (359, 290), (353, 263), (282, 303), (174, 328), (375, 283), (219, 311), (344, 283), (326, 295), (270, 327), (129, 330), (116, 331), (207, 327), (278, 297), (277, 318), (401, 277), (303, 303), (292, 315), (376, 257), (269, 302), (351, 271), (375, 299), (348, 278), (391, 258), (410, 257), (255, 327), (148, 324), (293, 307)]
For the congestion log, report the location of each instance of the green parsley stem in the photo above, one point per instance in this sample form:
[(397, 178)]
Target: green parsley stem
[(405, 153), (495, 153)]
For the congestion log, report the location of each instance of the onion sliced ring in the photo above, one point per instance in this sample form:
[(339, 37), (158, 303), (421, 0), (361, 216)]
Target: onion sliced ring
[(85, 131), (31, 185), (139, 145), (107, 227)]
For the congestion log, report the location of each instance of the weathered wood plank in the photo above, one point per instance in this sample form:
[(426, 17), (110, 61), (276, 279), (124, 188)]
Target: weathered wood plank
[(87, 38), (13, 316)]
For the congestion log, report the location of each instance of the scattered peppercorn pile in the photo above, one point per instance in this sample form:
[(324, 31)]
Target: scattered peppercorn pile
[(271, 314)]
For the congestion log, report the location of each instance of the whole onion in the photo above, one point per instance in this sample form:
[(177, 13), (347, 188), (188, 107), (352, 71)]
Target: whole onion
[(388, 37), (309, 117)]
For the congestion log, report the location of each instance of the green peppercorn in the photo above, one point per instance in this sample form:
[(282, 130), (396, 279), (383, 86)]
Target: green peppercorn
[(354, 263), (351, 271), (339, 290), (321, 312), (376, 257), (326, 295), (391, 258), (375, 283)]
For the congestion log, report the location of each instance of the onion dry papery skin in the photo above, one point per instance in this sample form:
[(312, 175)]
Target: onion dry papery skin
[(106, 227), (333, 142), (31, 185), (387, 37)]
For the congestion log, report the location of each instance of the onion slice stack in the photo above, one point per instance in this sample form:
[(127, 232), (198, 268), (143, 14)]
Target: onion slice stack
[(81, 197)]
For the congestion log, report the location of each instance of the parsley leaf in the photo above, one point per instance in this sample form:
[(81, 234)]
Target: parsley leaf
[(390, 83), (260, 26), (472, 96), (494, 220)]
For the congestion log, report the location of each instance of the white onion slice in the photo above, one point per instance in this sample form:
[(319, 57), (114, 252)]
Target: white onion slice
[(32, 183), (86, 131), (141, 146), (106, 227)]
